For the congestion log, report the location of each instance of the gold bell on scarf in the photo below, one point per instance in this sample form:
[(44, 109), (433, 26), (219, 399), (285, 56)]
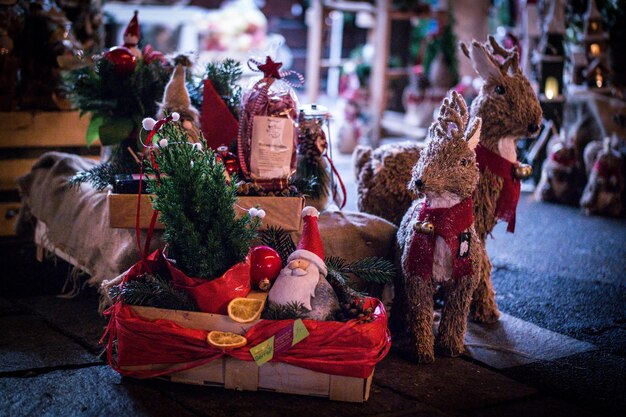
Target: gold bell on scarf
[(523, 171), (426, 228)]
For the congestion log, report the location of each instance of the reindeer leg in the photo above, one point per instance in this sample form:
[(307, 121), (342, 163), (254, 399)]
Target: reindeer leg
[(451, 335), (419, 295), (484, 308)]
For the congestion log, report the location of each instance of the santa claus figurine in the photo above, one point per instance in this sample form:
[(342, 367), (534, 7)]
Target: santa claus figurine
[(131, 36), (303, 280)]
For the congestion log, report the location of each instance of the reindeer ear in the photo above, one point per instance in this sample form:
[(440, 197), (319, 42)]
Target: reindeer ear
[(360, 156), (482, 63), (473, 133)]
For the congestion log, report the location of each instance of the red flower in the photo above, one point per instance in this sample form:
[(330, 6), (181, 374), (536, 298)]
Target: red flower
[(150, 55)]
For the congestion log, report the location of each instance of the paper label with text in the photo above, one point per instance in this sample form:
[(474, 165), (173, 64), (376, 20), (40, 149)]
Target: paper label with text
[(271, 148)]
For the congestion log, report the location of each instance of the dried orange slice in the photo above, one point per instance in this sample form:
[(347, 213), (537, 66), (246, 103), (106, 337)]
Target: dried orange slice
[(245, 310), (226, 340)]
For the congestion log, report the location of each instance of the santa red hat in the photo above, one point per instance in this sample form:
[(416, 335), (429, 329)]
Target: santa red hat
[(132, 29), (310, 246)]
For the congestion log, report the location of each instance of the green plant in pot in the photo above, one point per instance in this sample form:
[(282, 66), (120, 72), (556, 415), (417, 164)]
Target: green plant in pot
[(204, 233)]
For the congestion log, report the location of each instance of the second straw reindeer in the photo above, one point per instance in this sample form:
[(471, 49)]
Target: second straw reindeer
[(437, 240)]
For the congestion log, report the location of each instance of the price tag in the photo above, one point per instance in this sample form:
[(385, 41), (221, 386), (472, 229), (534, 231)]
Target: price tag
[(284, 339)]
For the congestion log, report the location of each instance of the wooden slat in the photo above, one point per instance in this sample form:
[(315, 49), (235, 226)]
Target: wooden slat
[(195, 320), (285, 212), (210, 373), (8, 217), (26, 129), (12, 169), (241, 375), (281, 377), (345, 388)]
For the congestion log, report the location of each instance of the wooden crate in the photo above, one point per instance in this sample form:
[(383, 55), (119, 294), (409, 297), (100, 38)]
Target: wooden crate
[(232, 373), (285, 212), (24, 136), (37, 129), (8, 216)]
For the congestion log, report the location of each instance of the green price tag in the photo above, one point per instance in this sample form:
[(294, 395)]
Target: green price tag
[(280, 342), (263, 352), (299, 331)]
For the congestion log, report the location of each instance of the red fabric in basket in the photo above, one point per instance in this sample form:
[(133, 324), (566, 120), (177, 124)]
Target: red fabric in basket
[(213, 296), (349, 349), (219, 126)]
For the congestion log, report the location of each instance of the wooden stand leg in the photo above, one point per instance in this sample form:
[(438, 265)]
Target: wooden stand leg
[(314, 49)]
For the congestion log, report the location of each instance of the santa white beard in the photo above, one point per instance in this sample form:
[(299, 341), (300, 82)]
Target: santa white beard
[(297, 285)]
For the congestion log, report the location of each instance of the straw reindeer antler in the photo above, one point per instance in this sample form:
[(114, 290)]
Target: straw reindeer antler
[(452, 111), (492, 49)]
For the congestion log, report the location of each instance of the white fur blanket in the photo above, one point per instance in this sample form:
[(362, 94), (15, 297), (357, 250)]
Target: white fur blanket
[(76, 219)]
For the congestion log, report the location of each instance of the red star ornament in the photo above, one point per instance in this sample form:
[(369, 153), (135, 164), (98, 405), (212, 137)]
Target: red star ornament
[(270, 68)]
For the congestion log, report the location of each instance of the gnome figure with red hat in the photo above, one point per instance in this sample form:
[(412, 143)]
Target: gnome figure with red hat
[(303, 280), (176, 99), (131, 36)]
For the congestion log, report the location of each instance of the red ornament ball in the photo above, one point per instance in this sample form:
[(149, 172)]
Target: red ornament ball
[(265, 265), (228, 159), (123, 60)]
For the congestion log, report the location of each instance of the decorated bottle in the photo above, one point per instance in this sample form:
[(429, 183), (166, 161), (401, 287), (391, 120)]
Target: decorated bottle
[(313, 175)]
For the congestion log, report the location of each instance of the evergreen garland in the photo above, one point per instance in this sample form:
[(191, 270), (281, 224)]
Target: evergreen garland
[(100, 176), (279, 240), (117, 102), (103, 175), (373, 269), (153, 291), (291, 311), (197, 207), (225, 77)]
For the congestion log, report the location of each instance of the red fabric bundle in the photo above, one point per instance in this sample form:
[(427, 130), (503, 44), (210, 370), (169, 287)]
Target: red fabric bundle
[(349, 349), (213, 296), (219, 126)]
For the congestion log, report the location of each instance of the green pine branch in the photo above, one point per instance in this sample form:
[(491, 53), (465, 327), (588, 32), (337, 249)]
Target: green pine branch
[(279, 240), (103, 175), (372, 270), (100, 176), (107, 94), (293, 311), (153, 291), (197, 207), (225, 76)]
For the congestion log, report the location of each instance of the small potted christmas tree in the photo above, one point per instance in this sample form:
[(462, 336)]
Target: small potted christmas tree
[(207, 242)]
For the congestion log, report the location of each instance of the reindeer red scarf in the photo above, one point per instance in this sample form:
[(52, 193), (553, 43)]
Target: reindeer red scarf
[(449, 224), (509, 195)]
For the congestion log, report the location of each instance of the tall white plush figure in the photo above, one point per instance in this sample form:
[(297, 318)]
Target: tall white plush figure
[(303, 280)]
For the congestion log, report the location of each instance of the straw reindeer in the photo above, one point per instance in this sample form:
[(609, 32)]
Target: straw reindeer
[(438, 245), (509, 109)]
